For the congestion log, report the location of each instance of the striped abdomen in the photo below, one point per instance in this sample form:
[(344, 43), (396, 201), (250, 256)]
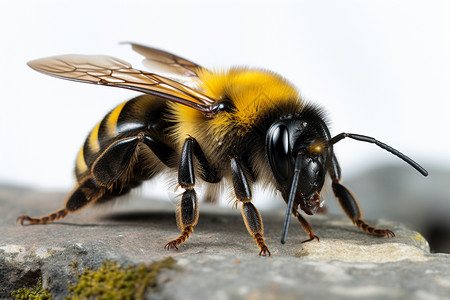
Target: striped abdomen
[(141, 114)]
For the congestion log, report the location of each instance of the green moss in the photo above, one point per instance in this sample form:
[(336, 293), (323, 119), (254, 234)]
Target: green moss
[(36, 293), (111, 281)]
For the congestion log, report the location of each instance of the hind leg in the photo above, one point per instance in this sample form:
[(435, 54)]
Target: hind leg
[(85, 193), (105, 171), (108, 175)]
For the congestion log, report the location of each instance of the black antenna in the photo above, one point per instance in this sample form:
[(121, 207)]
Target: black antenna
[(291, 198), (369, 139)]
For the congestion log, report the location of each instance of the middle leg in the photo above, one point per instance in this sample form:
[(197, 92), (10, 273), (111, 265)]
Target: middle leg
[(187, 208)]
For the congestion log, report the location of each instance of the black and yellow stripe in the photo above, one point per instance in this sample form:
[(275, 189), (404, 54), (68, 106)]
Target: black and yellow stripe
[(143, 113)]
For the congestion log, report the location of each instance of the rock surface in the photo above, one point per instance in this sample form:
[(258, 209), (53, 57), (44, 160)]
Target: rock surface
[(220, 260)]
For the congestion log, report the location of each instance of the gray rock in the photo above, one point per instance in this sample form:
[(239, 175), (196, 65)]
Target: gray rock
[(220, 260)]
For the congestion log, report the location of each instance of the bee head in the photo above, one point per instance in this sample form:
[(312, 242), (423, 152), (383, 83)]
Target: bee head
[(297, 145)]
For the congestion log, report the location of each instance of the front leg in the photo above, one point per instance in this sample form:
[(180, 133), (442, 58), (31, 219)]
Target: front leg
[(350, 205), (250, 214), (306, 226)]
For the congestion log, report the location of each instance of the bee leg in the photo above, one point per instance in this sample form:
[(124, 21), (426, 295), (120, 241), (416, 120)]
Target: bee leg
[(105, 171), (187, 208), (350, 205), (109, 167), (187, 217), (116, 170), (208, 173), (161, 150), (116, 160), (250, 214), (59, 214), (306, 226), (86, 192)]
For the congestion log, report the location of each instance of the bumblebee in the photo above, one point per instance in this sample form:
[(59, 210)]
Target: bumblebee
[(240, 125)]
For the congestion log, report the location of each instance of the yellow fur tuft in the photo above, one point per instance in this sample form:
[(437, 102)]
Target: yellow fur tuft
[(253, 93)]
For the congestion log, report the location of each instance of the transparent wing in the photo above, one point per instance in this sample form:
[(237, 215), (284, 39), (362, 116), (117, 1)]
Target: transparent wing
[(166, 62), (110, 71)]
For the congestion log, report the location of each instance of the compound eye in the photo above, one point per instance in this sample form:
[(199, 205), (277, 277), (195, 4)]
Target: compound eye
[(279, 153)]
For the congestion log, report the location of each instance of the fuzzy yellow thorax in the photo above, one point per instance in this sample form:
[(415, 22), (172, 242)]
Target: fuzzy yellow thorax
[(253, 93)]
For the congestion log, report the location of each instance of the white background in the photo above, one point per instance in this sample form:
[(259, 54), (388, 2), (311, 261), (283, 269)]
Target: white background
[(380, 68)]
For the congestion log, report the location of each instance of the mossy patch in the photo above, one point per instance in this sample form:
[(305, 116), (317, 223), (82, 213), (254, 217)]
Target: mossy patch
[(111, 281), (36, 293)]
